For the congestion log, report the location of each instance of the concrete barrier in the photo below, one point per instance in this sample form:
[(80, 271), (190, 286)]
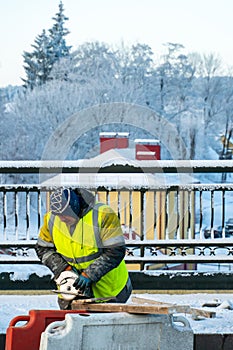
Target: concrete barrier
[(118, 331)]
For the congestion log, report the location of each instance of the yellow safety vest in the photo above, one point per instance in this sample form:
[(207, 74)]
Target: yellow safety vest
[(83, 246)]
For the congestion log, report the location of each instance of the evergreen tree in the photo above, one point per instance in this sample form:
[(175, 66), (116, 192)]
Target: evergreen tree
[(57, 35), (48, 49), (38, 63)]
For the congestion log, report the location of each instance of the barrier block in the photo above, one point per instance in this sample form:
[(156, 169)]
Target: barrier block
[(118, 331), (27, 337)]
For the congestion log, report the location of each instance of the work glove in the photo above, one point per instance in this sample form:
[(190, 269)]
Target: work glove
[(65, 285), (83, 282)]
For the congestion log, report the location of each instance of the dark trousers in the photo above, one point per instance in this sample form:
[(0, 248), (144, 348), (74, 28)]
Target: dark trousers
[(125, 293)]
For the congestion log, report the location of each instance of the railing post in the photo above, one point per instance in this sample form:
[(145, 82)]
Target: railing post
[(142, 248)]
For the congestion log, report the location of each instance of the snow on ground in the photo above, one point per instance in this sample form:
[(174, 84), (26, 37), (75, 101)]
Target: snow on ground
[(221, 324), (19, 305)]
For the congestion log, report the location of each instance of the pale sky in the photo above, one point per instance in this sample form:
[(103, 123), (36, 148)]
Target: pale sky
[(205, 26)]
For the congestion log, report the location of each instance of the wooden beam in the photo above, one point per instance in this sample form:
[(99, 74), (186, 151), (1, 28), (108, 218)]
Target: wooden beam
[(195, 312), (144, 306), (116, 307)]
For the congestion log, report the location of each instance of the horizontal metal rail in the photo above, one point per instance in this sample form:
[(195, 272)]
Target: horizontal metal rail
[(177, 251), (90, 166), (192, 259)]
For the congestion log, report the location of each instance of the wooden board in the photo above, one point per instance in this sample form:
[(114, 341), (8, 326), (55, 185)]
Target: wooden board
[(195, 312), (143, 306), (116, 307)]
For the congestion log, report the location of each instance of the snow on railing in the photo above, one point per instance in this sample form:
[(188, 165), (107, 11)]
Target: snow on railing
[(171, 221), (94, 165)]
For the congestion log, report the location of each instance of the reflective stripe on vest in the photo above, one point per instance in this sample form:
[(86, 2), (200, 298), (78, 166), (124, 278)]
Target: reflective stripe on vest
[(96, 233)]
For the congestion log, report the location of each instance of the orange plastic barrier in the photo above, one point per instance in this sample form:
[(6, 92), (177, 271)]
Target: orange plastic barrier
[(27, 337)]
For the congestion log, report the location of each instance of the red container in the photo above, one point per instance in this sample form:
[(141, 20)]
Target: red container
[(107, 143), (27, 337), (147, 150), (122, 140), (112, 140)]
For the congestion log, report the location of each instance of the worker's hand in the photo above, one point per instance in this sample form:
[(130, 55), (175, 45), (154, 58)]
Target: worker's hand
[(82, 282), (65, 285)]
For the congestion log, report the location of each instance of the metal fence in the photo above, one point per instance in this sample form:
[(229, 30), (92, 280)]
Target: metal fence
[(165, 225)]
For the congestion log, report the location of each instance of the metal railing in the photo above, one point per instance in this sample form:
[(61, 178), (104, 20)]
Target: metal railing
[(163, 223)]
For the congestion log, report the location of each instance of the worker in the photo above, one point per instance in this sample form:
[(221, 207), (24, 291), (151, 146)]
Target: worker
[(82, 243)]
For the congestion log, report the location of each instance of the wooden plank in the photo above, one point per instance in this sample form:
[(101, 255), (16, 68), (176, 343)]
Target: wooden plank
[(198, 312), (145, 306), (140, 300), (115, 307), (177, 308), (173, 308)]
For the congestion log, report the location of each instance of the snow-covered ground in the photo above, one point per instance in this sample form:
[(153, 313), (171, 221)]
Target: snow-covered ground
[(221, 324), (19, 305)]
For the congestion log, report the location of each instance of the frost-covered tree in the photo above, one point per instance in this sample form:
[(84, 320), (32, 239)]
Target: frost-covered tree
[(39, 62), (57, 35), (47, 50), (173, 75), (213, 94), (97, 73), (171, 88), (94, 74), (133, 72), (64, 69), (94, 61), (210, 105)]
